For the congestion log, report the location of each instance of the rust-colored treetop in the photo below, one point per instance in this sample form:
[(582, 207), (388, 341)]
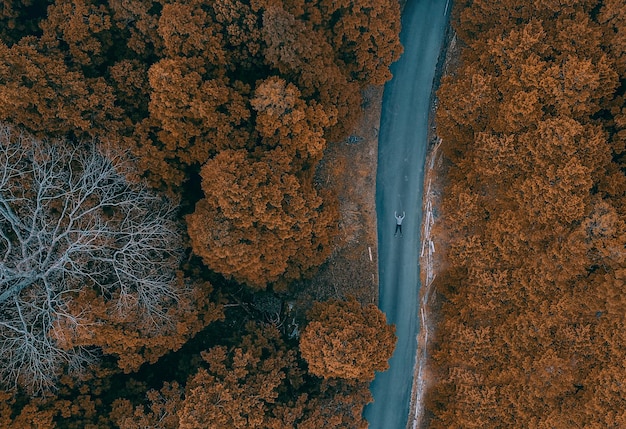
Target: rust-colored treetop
[(259, 383), (346, 340), (258, 222)]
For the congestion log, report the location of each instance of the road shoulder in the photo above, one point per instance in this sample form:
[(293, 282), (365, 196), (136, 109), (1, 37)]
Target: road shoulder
[(348, 168), (432, 244)]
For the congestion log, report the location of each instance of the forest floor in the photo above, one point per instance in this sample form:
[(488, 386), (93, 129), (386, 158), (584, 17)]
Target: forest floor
[(349, 169)]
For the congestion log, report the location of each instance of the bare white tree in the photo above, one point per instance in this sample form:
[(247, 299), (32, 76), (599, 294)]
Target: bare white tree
[(70, 220)]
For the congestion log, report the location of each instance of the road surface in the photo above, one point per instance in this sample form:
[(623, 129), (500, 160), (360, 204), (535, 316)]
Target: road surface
[(402, 144)]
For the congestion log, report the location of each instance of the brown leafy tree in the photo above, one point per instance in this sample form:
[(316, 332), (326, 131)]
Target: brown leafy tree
[(238, 387), (188, 30), (138, 24), (294, 48), (612, 17), (191, 118), (34, 415), (83, 28), (346, 340), (259, 223), (42, 94), (336, 403), (129, 79), (162, 414), (285, 120), (364, 35), (256, 382)]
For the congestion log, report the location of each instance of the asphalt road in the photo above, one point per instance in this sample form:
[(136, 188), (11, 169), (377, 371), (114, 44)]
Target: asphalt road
[(402, 144)]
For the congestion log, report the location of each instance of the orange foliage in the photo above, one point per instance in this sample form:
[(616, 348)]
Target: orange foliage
[(295, 48), (256, 383), (238, 387), (346, 340), (363, 33), (162, 414), (133, 337), (83, 27), (258, 223), (532, 305), (284, 119), (41, 93)]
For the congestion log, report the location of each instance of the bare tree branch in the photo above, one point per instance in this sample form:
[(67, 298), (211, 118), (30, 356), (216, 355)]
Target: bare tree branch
[(70, 220)]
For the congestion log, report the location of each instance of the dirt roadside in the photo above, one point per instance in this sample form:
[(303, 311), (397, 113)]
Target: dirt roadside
[(349, 168)]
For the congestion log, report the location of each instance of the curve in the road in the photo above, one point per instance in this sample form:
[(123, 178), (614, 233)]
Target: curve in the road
[(402, 147)]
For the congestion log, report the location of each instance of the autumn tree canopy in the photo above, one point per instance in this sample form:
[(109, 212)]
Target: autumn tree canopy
[(346, 340), (285, 120), (237, 388), (531, 307), (179, 82), (257, 222), (257, 383)]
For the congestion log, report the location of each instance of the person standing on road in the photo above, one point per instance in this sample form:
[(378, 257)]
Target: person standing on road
[(399, 220)]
